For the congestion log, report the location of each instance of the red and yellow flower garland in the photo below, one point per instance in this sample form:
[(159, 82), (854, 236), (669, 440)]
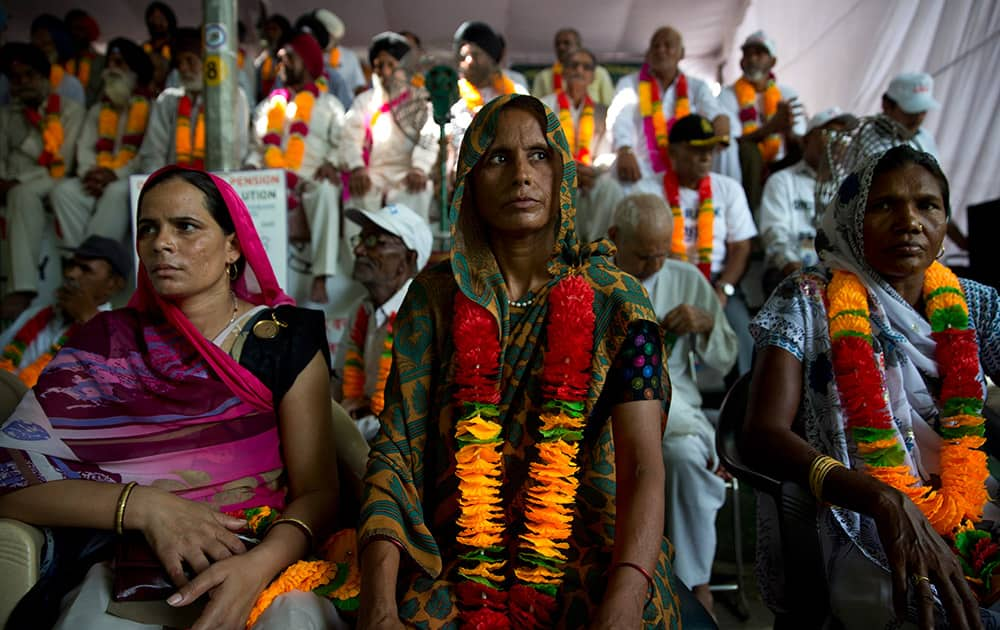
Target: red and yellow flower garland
[(746, 97), (557, 71), (654, 124), (579, 143), (705, 222), (959, 500), (295, 150), (474, 100), (188, 155), (552, 481), (107, 132), (13, 353), (50, 126), (354, 364)]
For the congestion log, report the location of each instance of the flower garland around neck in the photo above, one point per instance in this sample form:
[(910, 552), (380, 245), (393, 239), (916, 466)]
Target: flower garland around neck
[(557, 72), (52, 132), (107, 131), (333, 575), (13, 353), (704, 240), (354, 365), (334, 59), (654, 123), (56, 76), (388, 106), (295, 150), (82, 70), (746, 97), (552, 482), (163, 50), (958, 503), (579, 143), (188, 155), (474, 100)]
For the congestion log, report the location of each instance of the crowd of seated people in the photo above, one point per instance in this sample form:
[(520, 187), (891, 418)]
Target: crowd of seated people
[(532, 401)]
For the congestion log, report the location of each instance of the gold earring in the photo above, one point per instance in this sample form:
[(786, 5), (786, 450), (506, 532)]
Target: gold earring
[(233, 271)]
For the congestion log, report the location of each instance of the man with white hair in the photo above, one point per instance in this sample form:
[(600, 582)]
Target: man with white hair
[(694, 329), (390, 137), (646, 104), (341, 59), (393, 246), (109, 143)]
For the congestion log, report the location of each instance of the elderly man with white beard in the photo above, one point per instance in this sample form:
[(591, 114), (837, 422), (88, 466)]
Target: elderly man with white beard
[(112, 133)]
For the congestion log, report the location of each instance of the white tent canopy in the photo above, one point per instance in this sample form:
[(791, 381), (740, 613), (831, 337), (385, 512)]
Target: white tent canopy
[(833, 53)]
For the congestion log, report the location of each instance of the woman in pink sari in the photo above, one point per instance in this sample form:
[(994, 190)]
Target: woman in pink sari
[(208, 394)]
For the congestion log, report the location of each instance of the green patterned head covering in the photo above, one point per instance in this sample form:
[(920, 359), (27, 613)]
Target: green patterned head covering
[(472, 261)]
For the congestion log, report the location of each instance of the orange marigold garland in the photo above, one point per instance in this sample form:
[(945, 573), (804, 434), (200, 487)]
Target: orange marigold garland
[(958, 502), (13, 353), (189, 153), (746, 97), (579, 143), (557, 71), (107, 132), (654, 123), (53, 134), (474, 100), (82, 70), (705, 222), (552, 483), (354, 365), (295, 149), (334, 574)]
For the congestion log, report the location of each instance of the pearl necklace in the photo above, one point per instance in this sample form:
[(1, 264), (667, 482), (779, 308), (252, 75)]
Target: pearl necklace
[(521, 303)]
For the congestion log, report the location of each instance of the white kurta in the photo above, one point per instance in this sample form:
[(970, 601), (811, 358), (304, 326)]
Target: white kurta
[(788, 217), (80, 215), (159, 146), (694, 493), (320, 198), (20, 147), (393, 152), (625, 120), (594, 206)]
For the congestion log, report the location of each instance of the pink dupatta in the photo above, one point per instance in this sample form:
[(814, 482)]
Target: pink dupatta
[(256, 284)]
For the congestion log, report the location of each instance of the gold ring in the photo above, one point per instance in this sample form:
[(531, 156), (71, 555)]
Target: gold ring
[(917, 579)]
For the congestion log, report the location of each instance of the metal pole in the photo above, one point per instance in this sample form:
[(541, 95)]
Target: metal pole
[(221, 72)]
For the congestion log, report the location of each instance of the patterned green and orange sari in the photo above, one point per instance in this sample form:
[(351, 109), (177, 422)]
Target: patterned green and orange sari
[(412, 489)]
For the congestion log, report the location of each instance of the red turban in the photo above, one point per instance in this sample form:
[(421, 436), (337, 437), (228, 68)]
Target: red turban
[(306, 47)]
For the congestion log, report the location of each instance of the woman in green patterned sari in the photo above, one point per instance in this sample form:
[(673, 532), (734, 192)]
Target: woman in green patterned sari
[(434, 557)]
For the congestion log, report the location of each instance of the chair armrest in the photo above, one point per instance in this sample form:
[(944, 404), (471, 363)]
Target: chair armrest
[(20, 556)]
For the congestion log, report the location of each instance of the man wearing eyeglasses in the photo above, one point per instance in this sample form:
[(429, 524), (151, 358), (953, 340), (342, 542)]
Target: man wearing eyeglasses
[(583, 122), (393, 246)]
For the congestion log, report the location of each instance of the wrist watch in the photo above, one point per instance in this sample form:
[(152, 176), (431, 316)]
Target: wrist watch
[(727, 289)]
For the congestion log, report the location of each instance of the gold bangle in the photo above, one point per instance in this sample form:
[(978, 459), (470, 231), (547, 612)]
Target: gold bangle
[(120, 510), (299, 524), (820, 468)]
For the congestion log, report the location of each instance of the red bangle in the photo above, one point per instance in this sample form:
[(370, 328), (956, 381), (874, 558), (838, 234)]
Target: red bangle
[(650, 586)]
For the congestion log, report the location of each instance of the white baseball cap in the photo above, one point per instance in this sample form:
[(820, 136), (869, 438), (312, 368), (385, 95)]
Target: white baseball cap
[(760, 38), (913, 92), (333, 24), (401, 221), (830, 115)]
